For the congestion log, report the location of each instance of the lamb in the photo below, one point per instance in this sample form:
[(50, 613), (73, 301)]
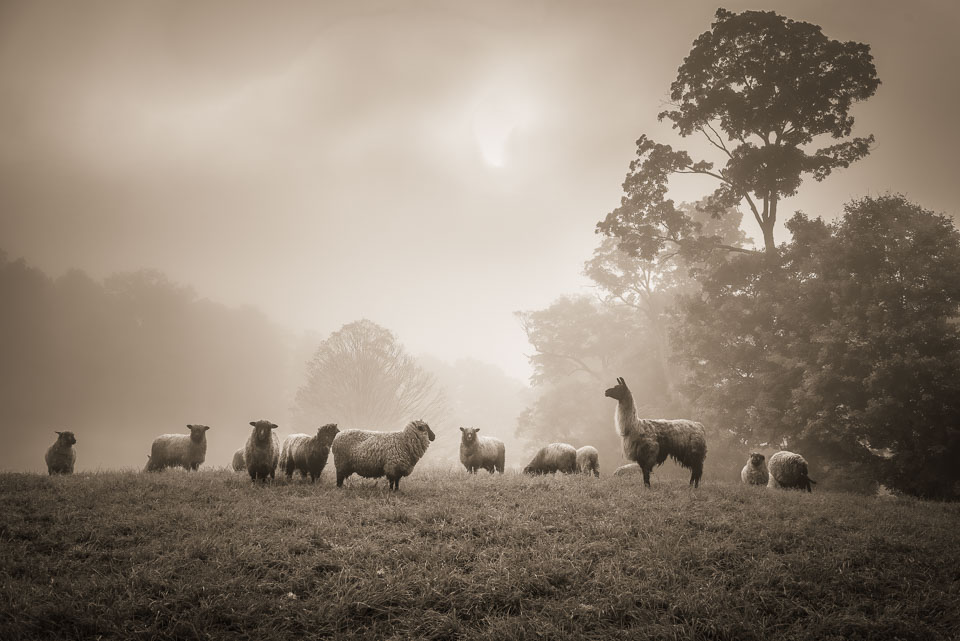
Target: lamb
[(478, 452), (755, 471), (179, 450), (61, 456), (374, 454), (262, 451), (556, 457), (588, 460), (628, 469), (239, 464), (649, 442), (307, 454), (789, 470)]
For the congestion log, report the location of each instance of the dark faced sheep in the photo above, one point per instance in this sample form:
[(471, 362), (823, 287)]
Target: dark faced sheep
[(262, 451), (649, 442), (588, 460), (61, 456), (556, 457), (480, 452), (307, 454), (375, 454), (179, 450), (755, 471), (789, 470)]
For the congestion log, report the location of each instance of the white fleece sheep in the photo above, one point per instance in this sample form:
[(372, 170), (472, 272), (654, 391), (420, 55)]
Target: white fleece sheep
[(628, 470), (789, 470), (480, 452), (374, 454), (755, 471), (179, 450), (61, 456), (238, 463), (307, 454), (556, 457), (262, 451), (588, 460), (649, 442)]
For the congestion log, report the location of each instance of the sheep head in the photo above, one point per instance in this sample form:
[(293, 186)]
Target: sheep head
[(421, 426), (262, 430), (197, 432), (468, 435), (327, 433), (756, 459), (619, 391), (66, 438)]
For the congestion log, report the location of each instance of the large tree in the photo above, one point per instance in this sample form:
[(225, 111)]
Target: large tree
[(362, 377), (761, 89), (845, 347)]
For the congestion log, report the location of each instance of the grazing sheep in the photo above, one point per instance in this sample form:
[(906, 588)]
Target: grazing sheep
[(755, 471), (179, 450), (628, 469), (239, 464), (375, 454), (61, 456), (649, 442), (478, 452), (307, 454), (556, 457), (789, 470), (262, 451), (588, 460)]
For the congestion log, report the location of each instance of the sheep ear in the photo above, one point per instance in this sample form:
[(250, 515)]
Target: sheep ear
[(273, 426), (254, 423), (59, 433), (461, 429), (476, 429), (206, 427)]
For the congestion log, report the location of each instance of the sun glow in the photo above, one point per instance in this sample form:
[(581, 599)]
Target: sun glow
[(497, 118)]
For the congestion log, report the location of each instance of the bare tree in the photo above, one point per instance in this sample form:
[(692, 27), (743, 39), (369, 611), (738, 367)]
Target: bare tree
[(361, 377)]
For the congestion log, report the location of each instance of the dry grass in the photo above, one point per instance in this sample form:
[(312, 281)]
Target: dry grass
[(210, 555)]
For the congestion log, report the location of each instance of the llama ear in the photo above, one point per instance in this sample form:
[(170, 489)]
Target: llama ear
[(621, 381)]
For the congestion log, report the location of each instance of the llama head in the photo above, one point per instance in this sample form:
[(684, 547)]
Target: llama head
[(468, 435), (618, 391)]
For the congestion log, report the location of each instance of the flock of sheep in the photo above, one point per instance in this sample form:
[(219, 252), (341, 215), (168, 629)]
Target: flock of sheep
[(646, 442)]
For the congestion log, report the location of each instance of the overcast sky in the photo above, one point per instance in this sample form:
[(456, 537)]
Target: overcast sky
[(432, 166)]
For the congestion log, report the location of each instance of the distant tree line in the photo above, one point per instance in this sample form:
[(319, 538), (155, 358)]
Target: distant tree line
[(841, 343)]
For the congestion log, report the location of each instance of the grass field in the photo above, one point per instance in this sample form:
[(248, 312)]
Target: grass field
[(204, 555)]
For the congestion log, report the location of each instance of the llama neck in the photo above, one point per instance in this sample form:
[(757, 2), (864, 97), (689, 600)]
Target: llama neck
[(625, 418)]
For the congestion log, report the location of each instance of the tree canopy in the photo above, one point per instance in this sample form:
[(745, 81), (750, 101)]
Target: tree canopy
[(760, 88), (362, 377)]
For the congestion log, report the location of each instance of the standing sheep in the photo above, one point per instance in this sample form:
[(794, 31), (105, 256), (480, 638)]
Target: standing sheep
[(262, 451), (755, 471), (649, 442), (307, 454), (239, 464), (61, 456), (375, 454), (556, 457), (789, 470), (588, 460), (179, 450), (480, 452)]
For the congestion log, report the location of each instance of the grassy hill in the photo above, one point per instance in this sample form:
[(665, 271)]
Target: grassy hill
[(209, 555)]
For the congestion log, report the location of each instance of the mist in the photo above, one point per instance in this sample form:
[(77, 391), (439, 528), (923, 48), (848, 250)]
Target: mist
[(194, 197)]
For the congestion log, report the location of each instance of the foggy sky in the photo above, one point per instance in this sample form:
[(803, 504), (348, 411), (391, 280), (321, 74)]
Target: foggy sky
[(432, 166)]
